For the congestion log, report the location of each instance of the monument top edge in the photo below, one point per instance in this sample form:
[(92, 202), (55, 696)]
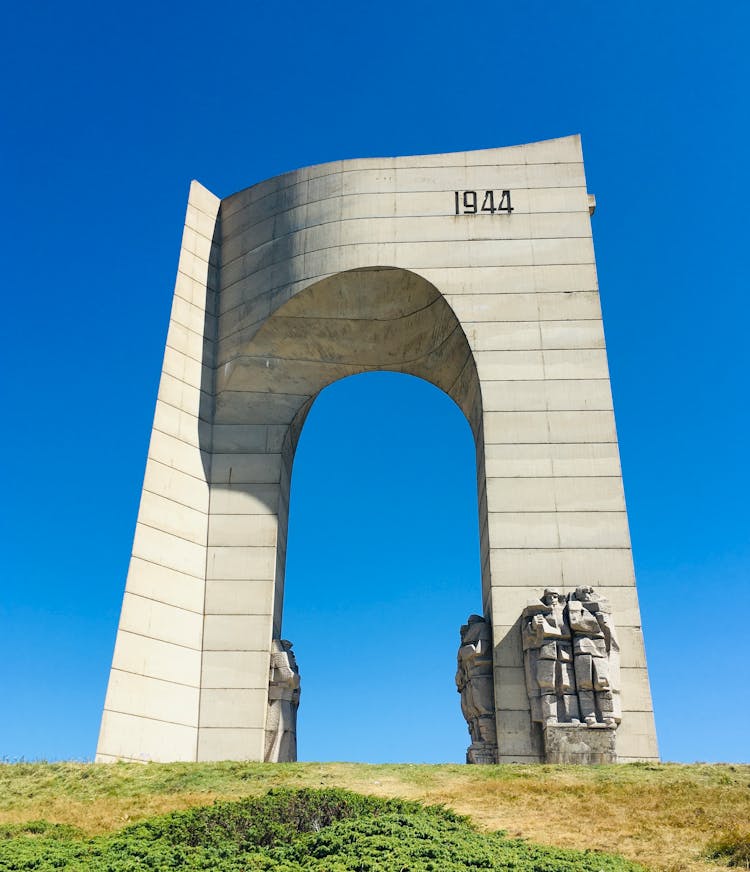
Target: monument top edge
[(564, 149)]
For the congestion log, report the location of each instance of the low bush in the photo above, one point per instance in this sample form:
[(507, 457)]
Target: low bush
[(291, 831), (732, 849)]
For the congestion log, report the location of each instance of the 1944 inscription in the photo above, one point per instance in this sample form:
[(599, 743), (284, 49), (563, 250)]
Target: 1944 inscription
[(479, 202)]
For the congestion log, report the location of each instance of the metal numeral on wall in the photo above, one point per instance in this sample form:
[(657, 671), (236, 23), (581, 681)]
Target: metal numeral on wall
[(468, 202)]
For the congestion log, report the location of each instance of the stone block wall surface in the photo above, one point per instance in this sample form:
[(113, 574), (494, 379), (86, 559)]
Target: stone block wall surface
[(338, 269)]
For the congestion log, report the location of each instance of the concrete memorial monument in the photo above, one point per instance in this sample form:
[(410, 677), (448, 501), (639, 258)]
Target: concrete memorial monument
[(474, 271)]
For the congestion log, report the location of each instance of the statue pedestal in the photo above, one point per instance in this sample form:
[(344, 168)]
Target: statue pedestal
[(481, 753), (577, 743)]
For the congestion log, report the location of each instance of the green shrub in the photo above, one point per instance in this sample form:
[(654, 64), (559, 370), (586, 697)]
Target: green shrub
[(732, 848), (291, 831), (40, 828)]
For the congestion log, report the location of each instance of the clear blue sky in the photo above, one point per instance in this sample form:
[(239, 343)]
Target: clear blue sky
[(110, 110)]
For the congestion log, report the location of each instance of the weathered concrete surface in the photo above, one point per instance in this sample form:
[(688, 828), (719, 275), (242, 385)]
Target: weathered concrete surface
[(569, 743)]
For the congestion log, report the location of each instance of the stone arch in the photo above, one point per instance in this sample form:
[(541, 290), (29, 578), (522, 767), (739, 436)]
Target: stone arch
[(334, 269), (361, 320)]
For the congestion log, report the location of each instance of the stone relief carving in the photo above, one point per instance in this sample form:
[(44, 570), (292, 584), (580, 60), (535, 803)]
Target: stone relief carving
[(548, 660), (596, 654), (283, 701), (572, 666), (475, 683)]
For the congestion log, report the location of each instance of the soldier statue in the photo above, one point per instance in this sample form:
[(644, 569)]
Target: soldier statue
[(474, 681), (283, 701), (596, 656), (548, 660), (571, 659)]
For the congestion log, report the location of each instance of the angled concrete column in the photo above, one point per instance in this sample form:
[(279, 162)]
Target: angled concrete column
[(474, 271), (151, 710)]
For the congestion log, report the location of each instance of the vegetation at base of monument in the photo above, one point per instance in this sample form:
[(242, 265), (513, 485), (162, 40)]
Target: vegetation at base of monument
[(290, 830), (731, 848), (662, 815)]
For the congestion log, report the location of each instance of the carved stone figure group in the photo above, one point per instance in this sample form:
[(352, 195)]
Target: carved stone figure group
[(571, 659), (475, 683), (283, 701)]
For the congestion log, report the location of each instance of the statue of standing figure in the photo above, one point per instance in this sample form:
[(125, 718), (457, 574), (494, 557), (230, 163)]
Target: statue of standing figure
[(548, 660), (283, 701), (475, 683), (596, 656), (571, 659)]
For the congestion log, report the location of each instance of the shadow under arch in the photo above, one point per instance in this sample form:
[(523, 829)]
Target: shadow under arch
[(361, 320)]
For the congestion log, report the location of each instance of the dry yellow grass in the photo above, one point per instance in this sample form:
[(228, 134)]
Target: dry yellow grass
[(660, 815)]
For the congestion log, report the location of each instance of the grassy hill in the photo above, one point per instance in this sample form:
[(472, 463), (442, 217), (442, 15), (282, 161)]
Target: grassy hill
[(664, 816)]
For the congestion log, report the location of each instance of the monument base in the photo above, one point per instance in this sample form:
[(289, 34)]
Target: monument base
[(577, 743), (481, 753)]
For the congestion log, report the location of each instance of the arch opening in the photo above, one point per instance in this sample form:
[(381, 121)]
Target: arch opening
[(382, 566), (364, 321)]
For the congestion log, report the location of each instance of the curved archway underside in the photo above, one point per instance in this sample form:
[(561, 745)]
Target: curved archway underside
[(349, 323), (353, 322)]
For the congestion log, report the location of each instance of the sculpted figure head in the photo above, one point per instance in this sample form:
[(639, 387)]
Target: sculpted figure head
[(286, 645), (551, 596), (466, 629), (585, 594), (283, 661)]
